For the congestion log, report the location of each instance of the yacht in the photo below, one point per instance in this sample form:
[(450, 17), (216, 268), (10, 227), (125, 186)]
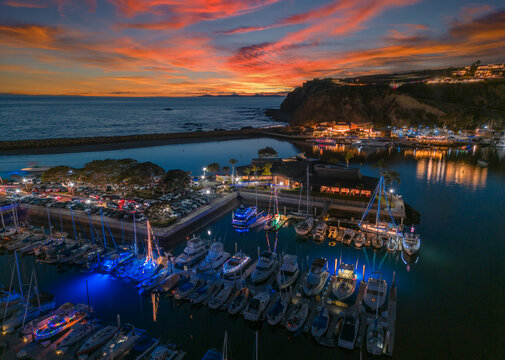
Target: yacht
[(169, 282), (381, 228), (243, 217), (289, 271), (411, 243), (345, 283), (316, 278), (359, 240), (194, 251), (57, 324), (501, 143), (186, 289), (215, 258), (120, 344), (298, 316), (375, 293), (202, 293), (375, 338), (220, 297), (320, 231), (97, 340), (239, 301), (266, 265), (320, 323), (304, 226), (79, 332), (234, 267), (349, 332), (256, 306), (392, 244)]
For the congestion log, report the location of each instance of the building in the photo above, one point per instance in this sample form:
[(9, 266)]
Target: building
[(324, 177)]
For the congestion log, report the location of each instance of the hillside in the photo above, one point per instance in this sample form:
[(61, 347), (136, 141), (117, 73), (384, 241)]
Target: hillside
[(457, 105)]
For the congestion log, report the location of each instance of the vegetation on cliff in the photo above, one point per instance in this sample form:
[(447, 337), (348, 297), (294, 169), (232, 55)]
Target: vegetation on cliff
[(456, 105)]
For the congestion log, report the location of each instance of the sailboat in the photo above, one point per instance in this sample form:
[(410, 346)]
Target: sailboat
[(306, 225)]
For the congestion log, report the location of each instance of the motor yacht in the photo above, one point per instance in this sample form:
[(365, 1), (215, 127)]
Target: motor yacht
[(289, 271), (298, 316), (256, 306), (316, 278), (243, 217), (375, 338), (320, 232), (235, 266), (375, 293), (349, 332), (215, 258), (266, 265), (195, 251), (305, 226), (345, 283), (321, 322), (411, 243)]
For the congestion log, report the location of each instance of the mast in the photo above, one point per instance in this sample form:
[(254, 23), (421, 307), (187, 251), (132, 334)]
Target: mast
[(9, 296), (225, 346), (27, 301), (135, 235), (91, 230), (3, 222), (103, 229), (19, 275), (379, 204), (73, 224), (256, 346), (308, 188), (49, 222)]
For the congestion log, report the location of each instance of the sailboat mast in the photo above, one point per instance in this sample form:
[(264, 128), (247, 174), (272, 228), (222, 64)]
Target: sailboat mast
[(135, 235), (308, 188), (19, 275), (49, 222), (225, 346), (379, 205), (256, 346), (103, 229)]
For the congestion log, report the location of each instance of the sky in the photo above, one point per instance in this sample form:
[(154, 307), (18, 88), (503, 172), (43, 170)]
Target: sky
[(194, 47)]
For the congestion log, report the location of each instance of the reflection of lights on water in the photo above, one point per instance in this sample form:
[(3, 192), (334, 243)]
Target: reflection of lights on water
[(451, 172)]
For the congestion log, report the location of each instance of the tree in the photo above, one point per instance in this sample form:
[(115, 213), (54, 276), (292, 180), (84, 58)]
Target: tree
[(233, 162), (213, 168), (348, 156), (175, 180), (247, 171), (226, 169), (106, 172), (391, 177), (255, 170), (267, 152), (142, 173), (59, 174), (267, 169)]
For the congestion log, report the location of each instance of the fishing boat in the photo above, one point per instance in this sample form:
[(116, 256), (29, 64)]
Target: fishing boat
[(78, 332), (243, 217), (348, 236), (202, 293), (215, 258), (320, 231), (345, 283), (278, 310), (220, 297), (256, 306), (120, 344), (169, 283), (305, 226), (194, 252), (234, 267), (297, 317), (375, 293), (266, 265), (97, 340), (349, 332), (186, 289), (289, 271), (239, 301), (411, 243), (58, 324), (359, 240), (316, 278), (320, 323)]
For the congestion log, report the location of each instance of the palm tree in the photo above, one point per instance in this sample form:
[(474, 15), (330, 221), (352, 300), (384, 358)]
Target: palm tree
[(233, 162), (255, 170), (247, 171), (267, 169)]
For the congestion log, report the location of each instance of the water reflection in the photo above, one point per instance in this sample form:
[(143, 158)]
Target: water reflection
[(450, 172)]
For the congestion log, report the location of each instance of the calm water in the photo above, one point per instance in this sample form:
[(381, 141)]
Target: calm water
[(39, 117), (449, 301)]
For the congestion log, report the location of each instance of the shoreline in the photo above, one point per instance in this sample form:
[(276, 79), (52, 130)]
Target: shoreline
[(108, 143)]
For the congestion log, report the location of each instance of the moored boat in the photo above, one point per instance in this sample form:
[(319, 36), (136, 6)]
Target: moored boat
[(289, 271), (298, 316), (320, 323), (349, 332), (315, 280), (345, 283), (256, 306), (375, 338), (220, 297), (375, 293), (97, 340), (194, 252), (238, 301), (215, 258), (305, 226), (266, 265), (234, 267)]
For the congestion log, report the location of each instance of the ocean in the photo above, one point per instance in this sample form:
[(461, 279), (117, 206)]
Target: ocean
[(42, 117)]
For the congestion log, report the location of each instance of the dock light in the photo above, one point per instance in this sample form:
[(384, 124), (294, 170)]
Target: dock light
[(207, 192), (71, 184), (88, 201), (24, 180), (203, 176), (208, 232), (204, 169), (391, 190), (18, 191)]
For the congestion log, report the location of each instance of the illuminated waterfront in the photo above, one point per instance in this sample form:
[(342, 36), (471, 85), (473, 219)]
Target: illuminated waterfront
[(459, 227)]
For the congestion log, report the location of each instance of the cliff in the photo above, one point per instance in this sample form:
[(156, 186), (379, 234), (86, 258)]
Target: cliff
[(462, 105)]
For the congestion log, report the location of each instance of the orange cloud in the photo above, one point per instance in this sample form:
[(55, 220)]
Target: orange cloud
[(25, 4)]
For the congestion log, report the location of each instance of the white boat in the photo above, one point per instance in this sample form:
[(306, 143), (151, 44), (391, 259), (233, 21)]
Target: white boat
[(119, 344), (375, 338), (78, 332), (256, 306), (359, 240), (186, 289), (298, 316), (381, 228), (243, 217), (289, 271), (411, 243), (348, 236), (202, 293), (195, 251), (164, 352), (392, 244), (169, 283), (501, 143), (349, 332), (320, 231), (266, 265), (375, 293), (278, 310), (345, 283), (215, 258), (238, 301), (220, 297), (305, 226), (26, 315), (320, 323), (316, 278), (234, 267), (97, 340), (154, 281)]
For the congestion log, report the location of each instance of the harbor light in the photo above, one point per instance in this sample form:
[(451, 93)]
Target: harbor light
[(391, 190), (24, 180), (208, 232), (207, 192), (88, 201), (18, 191)]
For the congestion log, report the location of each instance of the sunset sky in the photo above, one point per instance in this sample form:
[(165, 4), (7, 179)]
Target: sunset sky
[(192, 47)]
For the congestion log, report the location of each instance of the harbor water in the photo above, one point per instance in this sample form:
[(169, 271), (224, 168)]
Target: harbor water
[(449, 297)]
